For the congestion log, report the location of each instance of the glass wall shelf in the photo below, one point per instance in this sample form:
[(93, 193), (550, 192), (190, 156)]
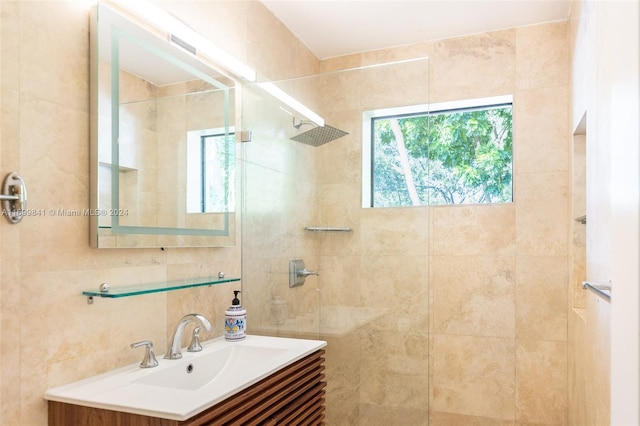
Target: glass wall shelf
[(148, 288)]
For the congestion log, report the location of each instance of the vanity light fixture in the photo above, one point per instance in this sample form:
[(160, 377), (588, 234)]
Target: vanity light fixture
[(178, 30), (292, 102)]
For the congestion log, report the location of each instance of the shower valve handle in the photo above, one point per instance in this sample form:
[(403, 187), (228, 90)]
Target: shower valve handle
[(305, 273)]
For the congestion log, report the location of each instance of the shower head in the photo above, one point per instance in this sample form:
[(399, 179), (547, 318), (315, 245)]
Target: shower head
[(317, 136)]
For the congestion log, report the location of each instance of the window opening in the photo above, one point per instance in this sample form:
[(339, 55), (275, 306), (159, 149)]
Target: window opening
[(450, 153), (210, 171)]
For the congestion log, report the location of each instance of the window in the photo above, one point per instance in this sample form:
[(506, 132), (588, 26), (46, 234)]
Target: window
[(449, 153), (210, 171)]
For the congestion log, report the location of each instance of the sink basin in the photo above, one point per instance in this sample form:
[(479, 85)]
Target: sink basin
[(201, 370), (180, 389)]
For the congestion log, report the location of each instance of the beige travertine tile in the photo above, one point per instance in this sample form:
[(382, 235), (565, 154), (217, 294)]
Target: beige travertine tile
[(541, 382), (462, 366), (394, 231), (54, 156), (542, 55), (10, 46), (172, 114), (340, 206), (54, 144), (340, 63), (473, 230), (542, 213), (54, 297), (374, 57), (398, 53), (398, 285), (131, 88), (340, 161), (207, 110), (281, 206), (449, 419), (272, 149), (380, 415), (473, 295), (343, 412), (541, 120), (541, 298), (10, 284), (343, 363), (61, 50), (390, 81), (280, 55), (342, 90), (10, 121), (339, 280), (474, 66), (390, 358)]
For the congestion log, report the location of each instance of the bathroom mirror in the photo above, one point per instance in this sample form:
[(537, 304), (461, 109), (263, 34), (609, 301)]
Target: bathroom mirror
[(162, 141)]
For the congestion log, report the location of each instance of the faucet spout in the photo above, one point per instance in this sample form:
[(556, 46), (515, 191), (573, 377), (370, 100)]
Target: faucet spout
[(175, 351)]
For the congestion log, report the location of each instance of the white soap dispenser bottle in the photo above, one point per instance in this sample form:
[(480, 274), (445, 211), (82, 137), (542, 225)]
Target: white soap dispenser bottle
[(235, 320)]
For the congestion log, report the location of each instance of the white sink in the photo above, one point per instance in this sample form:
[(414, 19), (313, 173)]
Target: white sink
[(180, 389)]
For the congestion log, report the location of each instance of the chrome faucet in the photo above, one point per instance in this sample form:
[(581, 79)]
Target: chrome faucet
[(175, 351)]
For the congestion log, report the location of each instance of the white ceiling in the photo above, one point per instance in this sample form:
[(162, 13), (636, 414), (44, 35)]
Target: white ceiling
[(334, 28)]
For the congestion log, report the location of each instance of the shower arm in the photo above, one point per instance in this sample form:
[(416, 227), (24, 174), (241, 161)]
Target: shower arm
[(297, 123)]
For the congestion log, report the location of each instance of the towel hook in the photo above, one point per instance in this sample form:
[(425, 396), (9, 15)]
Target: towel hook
[(13, 197)]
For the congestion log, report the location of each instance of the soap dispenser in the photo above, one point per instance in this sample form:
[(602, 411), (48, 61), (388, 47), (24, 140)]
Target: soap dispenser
[(235, 320)]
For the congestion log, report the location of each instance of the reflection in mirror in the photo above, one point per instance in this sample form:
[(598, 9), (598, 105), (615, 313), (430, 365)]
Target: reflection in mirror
[(163, 148), (209, 161)]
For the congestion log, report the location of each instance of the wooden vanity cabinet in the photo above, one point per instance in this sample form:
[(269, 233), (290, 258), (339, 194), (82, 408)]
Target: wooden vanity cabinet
[(291, 396)]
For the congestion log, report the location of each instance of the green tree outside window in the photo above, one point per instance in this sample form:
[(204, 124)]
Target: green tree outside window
[(445, 157)]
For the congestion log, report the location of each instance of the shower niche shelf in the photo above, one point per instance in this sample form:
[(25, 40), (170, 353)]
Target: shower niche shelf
[(135, 290)]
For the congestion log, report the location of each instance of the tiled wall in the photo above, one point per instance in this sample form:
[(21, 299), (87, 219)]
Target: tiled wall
[(482, 289), (49, 334), (506, 333)]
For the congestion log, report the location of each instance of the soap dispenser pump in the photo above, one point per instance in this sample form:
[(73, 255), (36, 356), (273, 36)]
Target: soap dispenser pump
[(235, 321)]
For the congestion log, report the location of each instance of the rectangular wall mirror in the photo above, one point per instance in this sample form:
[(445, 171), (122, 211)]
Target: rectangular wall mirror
[(163, 152)]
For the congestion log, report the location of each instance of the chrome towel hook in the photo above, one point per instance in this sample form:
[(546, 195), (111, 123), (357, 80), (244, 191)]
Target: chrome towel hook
[(13, 197)]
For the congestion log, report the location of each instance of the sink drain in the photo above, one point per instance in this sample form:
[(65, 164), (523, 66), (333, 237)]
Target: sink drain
[(190, 368)]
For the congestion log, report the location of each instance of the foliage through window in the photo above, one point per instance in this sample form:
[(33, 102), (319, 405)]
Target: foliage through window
[(210, 171), (446, 156)]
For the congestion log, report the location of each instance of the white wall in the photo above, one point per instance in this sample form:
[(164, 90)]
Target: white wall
[(619, 41), (606, 88)]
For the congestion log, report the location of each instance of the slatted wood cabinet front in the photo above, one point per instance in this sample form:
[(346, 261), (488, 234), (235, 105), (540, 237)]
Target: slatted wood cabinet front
[(291, 396)]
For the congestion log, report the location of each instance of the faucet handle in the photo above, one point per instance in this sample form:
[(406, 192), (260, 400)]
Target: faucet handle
[(195, 345), (149, 359), (305, 273)]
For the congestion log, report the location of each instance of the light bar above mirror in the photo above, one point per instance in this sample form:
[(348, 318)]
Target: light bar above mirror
[(179, 33)]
